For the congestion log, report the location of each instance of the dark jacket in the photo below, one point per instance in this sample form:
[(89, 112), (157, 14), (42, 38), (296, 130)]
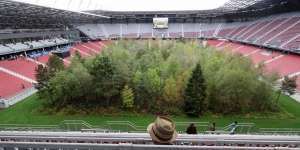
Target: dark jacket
[(191, 130)]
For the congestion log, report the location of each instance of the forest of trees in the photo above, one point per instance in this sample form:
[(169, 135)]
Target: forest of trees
[(160, 77)]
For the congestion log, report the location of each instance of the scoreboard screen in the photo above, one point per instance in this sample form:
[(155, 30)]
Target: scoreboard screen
[(160, 23)]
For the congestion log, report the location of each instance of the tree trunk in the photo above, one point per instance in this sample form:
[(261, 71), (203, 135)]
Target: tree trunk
[(277, 100)]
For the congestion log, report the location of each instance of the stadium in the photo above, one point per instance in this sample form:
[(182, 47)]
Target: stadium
[(75, 75)]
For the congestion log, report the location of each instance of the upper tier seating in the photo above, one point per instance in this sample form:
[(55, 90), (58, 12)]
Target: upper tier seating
[(31, 45), (5, 50), (277, 31), (18, 47)]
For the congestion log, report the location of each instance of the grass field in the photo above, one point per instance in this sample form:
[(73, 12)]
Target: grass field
[(26, 112)]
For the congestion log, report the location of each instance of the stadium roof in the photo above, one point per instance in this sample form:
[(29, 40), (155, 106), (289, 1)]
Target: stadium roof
[(129, 5), (17, 14), (232, 7)]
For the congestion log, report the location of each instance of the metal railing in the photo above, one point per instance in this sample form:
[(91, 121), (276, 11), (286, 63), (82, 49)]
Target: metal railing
[(125, 126), (28, 127), (280, 131), (84, 146), (130, 127), (241, 128), (143, 139), (201, 126), (22, 145)]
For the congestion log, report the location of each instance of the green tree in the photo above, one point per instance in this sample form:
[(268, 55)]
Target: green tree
[(54, 65), (127, 97), (164, 78), (105, 86), (140, 90), (77, 57), (42, 76), (171, 93), (288, 85), (195, 93), (69, 87)]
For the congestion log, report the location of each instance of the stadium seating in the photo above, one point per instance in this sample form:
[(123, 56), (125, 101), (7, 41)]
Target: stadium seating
[(286, 65), (276, 31), (10, 85), (294, 44), (94, 45), (263, 56), (264, 30), (31, 45), (84, 49), (25, 67), (18, 47), (246, 50), (5, 50), (43, 59), (21, 66)]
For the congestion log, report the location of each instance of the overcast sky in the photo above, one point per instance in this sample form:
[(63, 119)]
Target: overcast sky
[(130, 5)]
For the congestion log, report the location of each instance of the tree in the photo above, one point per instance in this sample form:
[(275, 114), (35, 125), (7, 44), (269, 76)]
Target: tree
[(54, 64), (195, 93), (170, 93), (140, 90), (104, 74), (288, 85), (42, 76), (127, 97), (77, 57)]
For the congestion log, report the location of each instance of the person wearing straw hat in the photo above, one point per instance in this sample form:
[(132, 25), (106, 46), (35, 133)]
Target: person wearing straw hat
[(162, 130)]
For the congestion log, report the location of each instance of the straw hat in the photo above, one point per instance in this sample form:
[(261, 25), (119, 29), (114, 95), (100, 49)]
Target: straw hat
[(162, 130)]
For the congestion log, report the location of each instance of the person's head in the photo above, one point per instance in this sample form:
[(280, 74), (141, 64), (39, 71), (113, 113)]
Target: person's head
[(162, 130), (192, 125), (214, 124), (235, 122)]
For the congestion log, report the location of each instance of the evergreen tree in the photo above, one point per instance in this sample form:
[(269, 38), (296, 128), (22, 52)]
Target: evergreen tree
[(195, 93), (44, 73), (105, 79), (127, 97), (54, 64), (77, 57), (288, 85), (42, 76)]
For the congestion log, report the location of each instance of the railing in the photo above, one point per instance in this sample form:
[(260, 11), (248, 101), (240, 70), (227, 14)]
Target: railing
[(280, 131), (135, 139), (126, 126), (59, 146), (241, 128), (74, 125), (201, 126), (130, 127), (28, 127)]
